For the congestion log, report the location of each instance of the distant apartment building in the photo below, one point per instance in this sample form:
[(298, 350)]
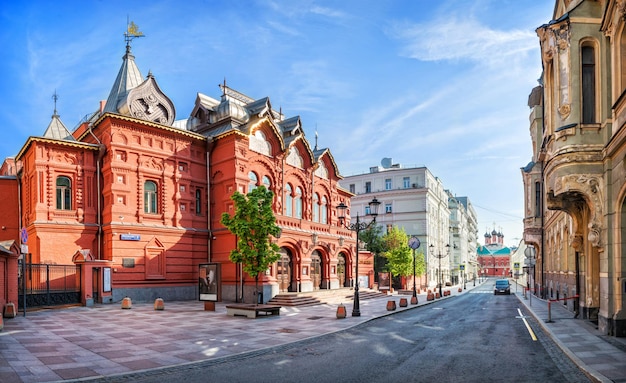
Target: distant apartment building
[(415, 200)]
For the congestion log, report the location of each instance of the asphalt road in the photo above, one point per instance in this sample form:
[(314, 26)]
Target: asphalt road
[(475, 337)]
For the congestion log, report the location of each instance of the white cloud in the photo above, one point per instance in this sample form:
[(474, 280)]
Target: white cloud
[(453, 39)]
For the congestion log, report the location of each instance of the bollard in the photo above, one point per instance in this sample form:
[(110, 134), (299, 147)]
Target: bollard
[(159, 304), (127, 303), (9, 310), (391, 305), (403, 302), (341, 311), (549, 312), (413, 300)]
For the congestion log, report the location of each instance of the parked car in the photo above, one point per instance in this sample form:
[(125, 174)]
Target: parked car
[(502, 287)]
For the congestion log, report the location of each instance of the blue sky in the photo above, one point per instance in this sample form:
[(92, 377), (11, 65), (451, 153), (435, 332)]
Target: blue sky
[(443, 83)]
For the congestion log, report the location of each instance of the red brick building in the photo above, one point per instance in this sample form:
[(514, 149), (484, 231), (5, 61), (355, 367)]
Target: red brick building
[(136, 197), (494, 259)]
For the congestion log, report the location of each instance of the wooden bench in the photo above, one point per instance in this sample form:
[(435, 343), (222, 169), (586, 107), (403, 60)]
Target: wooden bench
[(251, 310)]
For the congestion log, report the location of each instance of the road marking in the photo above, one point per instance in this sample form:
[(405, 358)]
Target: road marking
[(530, 330)]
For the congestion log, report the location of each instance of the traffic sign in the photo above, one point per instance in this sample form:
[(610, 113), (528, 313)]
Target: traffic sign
[(516, 265), (414, 243), (24, 235)]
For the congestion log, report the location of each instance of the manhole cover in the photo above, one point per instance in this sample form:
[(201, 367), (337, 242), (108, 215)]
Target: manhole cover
[(314, 318)]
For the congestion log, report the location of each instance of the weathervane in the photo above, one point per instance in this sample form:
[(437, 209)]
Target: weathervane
[(132, 31)]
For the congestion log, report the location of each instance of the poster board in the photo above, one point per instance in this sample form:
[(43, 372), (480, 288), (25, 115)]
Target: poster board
[(209, 281), (106, 279)]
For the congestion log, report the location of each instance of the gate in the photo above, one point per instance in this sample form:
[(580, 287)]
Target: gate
[(48, 285)]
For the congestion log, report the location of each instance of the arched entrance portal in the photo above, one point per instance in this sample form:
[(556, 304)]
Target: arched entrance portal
[(341, 270), (283, 270), (316, 270)]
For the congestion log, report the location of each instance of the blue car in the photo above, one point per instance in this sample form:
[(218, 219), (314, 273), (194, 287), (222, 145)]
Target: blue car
[(502, 287)]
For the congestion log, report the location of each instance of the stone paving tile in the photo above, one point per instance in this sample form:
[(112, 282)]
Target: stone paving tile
[(105, 339)]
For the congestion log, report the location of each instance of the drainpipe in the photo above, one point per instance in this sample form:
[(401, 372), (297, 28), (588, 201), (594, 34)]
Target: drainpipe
[(210, 144), (101, 153), (19, 174), (577, 301)]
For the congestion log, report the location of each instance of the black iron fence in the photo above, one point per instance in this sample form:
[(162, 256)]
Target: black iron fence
[(48, 285)]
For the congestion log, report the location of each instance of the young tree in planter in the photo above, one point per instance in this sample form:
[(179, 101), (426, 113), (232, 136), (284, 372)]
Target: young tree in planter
[(253, 223), (399, 255)]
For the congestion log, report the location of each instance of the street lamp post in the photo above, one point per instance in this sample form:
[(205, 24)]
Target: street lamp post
[(357, 227), (414, 243), (439, 255)]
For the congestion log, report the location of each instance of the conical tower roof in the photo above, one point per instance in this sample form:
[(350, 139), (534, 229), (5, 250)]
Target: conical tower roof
[(56, 129), (128, 78)]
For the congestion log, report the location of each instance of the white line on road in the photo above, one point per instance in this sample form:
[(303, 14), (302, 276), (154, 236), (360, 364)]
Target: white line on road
[(530, 330)]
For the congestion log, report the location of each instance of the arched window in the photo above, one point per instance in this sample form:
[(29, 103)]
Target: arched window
[(316, 207), (64, 193), (253, 181), (298, 202), (266, 182), (288, 201), (150, 197), (588, 85), (198, 202), (324, 210)]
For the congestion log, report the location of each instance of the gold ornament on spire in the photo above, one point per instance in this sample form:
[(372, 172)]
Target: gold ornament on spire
[(132, 31)]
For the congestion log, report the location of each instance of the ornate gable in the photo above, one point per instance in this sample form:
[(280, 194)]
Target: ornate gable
[(148, 102)]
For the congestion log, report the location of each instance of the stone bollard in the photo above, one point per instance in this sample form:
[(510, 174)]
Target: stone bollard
[(437, 295), (460, 289), (430, 297), (341, 311), (391, 305), (9, 310), (159, 304), (127, 303), (413, 300), (403, 302)]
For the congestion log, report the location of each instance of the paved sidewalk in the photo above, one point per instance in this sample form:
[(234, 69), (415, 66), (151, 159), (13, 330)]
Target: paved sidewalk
[(602, 357), (86, 342), (105, 340)]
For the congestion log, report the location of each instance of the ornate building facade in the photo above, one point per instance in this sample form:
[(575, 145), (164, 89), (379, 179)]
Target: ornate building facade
[(574, 186), (137, 195)]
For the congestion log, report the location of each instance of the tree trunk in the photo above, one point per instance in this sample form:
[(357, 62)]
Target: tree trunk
[(256, 288)]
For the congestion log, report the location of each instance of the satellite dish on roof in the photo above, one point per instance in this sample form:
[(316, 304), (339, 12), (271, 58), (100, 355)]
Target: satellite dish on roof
[(386, 163)]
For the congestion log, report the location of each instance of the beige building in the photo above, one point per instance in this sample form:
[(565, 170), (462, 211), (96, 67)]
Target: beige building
[(575, 205), (415, 200)]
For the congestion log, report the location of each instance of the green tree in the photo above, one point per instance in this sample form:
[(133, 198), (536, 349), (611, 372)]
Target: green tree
[(420, 263), (398, 253), (373, 239), (253, 223)]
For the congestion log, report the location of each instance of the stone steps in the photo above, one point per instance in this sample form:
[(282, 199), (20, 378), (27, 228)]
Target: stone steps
[(322, 296)]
